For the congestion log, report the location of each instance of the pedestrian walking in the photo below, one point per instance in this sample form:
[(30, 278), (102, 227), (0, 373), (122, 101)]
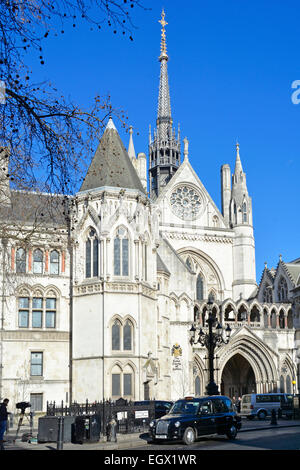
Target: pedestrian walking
[(234, 402), (3, 420)]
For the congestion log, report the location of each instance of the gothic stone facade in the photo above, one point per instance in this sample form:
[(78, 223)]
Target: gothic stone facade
[(99, 304)]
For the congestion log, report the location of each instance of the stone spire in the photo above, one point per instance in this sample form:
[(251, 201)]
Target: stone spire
[(164, 118), (131, 151), (164, 148), (241, 207), (238, 170)]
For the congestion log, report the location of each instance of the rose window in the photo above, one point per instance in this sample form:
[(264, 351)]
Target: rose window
[(186, 202)]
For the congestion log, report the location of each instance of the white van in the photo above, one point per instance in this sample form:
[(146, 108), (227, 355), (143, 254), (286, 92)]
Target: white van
[(262, 404)]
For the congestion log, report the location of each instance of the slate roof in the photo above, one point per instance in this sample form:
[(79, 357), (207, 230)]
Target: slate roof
[(32, 208), (293, 271), (111, 165)]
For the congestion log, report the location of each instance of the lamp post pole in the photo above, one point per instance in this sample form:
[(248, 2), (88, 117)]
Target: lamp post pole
[(210, 340), (212, 388)]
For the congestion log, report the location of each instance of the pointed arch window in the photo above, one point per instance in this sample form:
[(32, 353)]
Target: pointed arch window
[(197, 386), (267, 294), (122, 380), (122, 335), (38, 261), (245, 215), (199, 288), (88, 256), (215, 221), (121, 253), (127, 336), (116, 336), (54, 262), (21, 260), (92, 255), (282, 290)]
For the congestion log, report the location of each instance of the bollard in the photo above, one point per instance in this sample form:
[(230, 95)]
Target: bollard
[(31, 415), (60, 433), (273, 417)]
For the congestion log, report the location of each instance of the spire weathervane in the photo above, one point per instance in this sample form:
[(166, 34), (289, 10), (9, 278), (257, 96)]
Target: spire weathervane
[(163, 44)]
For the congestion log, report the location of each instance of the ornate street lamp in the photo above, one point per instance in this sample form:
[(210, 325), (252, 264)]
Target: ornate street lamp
[(211, 339)]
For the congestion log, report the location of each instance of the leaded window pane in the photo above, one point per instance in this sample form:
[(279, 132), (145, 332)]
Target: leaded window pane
[(115, 336), (117, 257), (88, 258), (50, 319), (127, 337), (127, 384), (37, 319), (21, 261), (125, 257), (51, 303), (23, 318), (54, 262), (24, 302), (116, 385), (95, 257), (37, 302), (38, 261), (199, 288), (197, 386)]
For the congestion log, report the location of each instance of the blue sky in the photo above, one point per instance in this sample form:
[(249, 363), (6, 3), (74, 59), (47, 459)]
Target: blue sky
[(231, 68)]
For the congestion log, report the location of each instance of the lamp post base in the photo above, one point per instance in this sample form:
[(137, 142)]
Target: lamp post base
[(212, 389)]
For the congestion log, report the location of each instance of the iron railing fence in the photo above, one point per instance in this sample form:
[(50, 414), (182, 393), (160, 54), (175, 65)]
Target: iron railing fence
[(130, 417)]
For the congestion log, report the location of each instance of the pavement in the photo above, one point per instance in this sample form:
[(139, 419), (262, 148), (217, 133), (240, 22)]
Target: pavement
[(124, 441)]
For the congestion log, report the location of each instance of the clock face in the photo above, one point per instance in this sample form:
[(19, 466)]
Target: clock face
[(186, 202)]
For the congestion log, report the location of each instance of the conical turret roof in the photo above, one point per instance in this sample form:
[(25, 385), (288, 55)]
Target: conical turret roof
[(111, 165)]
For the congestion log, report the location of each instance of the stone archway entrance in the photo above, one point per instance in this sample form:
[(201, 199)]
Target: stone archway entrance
[(238, 377)]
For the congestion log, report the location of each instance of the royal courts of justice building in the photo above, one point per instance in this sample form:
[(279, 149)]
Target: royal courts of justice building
[(99, 304)]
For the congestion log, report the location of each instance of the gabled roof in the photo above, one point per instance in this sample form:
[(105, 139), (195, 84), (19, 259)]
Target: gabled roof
[(177, 177), (293, 271), (111, 165)]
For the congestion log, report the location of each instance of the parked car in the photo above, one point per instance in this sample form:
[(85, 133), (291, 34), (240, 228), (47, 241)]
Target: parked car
[(260, 405), (191, 417), (161, 407)]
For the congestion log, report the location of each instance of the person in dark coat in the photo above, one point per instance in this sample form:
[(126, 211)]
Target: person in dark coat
[(3, 419)]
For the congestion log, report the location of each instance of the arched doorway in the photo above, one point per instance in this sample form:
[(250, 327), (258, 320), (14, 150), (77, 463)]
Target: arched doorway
[(238, 377)]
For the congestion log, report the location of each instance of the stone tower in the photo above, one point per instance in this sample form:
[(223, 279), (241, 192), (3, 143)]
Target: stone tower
[(240, 219), (164, 146)]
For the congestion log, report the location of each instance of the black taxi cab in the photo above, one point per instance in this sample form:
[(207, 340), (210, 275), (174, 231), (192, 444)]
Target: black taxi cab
[(190, 418)]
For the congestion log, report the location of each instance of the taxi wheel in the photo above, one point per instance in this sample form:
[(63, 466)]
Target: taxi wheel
[(189, 436), (232, 432)]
